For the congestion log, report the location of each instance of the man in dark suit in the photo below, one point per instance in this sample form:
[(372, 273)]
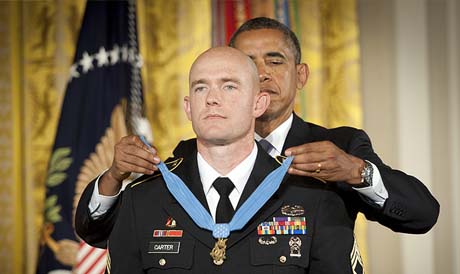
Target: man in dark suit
[(302, 228), (343, 157)]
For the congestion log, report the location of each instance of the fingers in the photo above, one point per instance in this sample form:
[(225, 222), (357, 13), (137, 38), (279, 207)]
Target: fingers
[(312, 158), (308, 158), (323, 160), (138, 166), (300, 172), (136, 160), (316, 167), (294, 171), (135, 140), (132, 155), (314, 147), (323, 170)]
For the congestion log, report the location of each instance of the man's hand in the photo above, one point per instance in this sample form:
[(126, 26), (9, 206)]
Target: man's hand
[(324, 160), (131, 155)]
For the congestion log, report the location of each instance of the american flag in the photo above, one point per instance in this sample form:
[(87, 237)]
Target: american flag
[(90, 259), (103, 92)]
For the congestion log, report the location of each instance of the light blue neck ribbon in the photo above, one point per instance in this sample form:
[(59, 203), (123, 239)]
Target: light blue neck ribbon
[(201, 216)]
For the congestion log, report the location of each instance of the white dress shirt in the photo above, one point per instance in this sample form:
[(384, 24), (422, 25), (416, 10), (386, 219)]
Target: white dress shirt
[(239, 177), (100, 204), (278, 136)]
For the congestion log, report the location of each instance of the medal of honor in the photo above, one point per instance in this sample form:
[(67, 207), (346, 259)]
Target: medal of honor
[(204, 220), (218, 252)]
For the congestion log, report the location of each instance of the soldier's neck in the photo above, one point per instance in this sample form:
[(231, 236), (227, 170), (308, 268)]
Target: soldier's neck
[(225, 157)]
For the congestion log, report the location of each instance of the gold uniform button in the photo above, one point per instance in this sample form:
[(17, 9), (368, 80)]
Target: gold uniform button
[(162, 262), (282, 259)]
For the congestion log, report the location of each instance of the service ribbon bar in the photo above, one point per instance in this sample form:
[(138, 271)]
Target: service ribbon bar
[(283, 226)]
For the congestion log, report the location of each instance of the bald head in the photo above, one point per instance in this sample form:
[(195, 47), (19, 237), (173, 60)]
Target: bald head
[(228, 59), (224, 97)]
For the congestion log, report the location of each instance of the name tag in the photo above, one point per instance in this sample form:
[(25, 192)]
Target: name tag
[(164, 247)]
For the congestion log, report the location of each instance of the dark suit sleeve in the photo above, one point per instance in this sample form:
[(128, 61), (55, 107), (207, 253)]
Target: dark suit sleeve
[(333, 239), (124, 253), (94, 232), (410, 207)]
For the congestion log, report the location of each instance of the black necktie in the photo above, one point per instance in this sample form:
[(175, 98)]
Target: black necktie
[(224, 212), (266, 145)]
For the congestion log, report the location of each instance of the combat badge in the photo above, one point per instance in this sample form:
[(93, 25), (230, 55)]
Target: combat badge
[(268, 240), (292, 210), (294, 245)]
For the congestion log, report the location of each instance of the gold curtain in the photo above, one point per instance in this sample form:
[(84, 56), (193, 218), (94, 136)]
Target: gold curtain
[(328, 33), (329, 37), (11, 224), (37, 46), (36, 50), (172, 33)]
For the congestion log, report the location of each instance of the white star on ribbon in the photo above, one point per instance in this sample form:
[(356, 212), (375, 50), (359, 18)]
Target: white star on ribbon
[(102, 57), (86, 62), (74, 72), (114, 55)]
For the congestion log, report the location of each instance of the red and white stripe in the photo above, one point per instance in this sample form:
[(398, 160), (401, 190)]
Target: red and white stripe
[(90, 260)]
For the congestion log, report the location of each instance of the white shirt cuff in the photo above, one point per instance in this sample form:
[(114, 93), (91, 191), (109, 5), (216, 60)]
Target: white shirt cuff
[(100, 204), (377, 192)]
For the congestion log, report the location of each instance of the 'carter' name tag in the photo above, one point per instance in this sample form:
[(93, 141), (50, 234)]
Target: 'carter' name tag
[(164, 247)]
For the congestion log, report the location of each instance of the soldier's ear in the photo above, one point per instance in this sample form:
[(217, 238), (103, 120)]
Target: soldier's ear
[(187, 109)]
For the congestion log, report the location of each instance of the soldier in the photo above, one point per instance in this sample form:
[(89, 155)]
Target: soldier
[(223, 178)]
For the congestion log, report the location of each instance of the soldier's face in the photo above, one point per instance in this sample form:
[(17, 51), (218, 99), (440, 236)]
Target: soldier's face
[(223, 92)]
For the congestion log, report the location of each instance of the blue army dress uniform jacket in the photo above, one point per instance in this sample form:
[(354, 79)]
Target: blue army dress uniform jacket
[(144, 241)]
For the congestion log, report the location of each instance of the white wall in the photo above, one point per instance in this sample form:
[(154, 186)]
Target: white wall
[(410, 82)]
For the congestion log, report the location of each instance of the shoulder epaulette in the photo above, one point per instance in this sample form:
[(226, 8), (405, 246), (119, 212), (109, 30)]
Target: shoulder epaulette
[(280, 159), (172, 165)]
